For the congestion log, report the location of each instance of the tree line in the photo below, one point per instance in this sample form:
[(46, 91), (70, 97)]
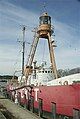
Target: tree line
[(7, 77), (61, 73)]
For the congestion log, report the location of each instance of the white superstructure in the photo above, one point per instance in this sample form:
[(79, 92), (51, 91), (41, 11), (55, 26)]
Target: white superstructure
[(66, 80), (41, 77), (45, 76)]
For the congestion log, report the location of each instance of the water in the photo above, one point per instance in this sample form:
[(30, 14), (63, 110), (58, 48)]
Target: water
[(3, 84)]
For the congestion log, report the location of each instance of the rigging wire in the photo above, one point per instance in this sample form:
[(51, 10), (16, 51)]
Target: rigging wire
[(17, 59)]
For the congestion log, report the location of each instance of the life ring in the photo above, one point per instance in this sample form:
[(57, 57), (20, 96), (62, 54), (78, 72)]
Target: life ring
[(65, 83)]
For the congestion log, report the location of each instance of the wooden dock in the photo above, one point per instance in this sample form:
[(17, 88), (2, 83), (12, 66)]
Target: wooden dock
[(17, 111)]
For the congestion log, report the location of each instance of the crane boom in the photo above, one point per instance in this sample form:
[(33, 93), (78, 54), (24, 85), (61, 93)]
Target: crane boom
[(32, 51), (28, 69)]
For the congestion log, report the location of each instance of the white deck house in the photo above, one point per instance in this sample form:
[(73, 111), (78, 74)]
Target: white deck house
[(67, 80)]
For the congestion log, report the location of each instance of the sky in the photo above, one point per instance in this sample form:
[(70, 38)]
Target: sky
[(14, 14)]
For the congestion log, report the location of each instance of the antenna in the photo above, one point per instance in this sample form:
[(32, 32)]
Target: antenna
[(44, 7), (23, 46), (23, 50)]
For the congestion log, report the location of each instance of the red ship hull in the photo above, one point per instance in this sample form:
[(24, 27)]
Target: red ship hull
[(66, 97)]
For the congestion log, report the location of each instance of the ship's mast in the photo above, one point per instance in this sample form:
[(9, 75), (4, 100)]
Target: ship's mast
[(44, 31), (23, 50)]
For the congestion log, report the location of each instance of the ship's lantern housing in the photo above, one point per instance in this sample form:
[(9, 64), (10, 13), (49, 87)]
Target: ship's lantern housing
[(45, 19), (44, 26)]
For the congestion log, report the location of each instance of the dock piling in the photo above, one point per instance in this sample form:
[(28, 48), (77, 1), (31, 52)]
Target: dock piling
[(76, 113), (53, 110), (40, 110)]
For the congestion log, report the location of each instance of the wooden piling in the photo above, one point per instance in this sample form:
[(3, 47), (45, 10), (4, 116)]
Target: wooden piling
[(53, 110)]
